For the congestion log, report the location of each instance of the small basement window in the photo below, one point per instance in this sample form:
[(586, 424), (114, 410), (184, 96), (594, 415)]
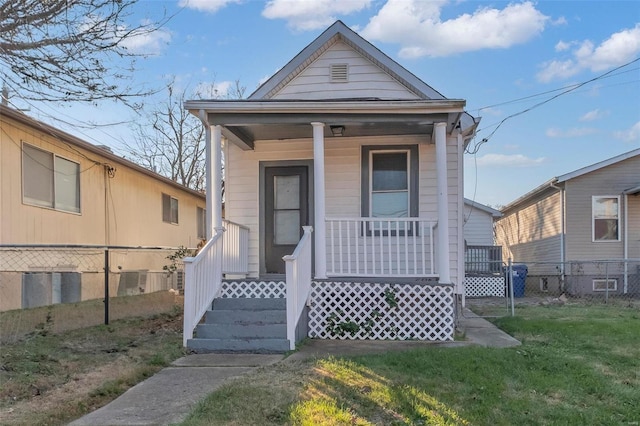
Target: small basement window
[(339, 73), (605, 285)]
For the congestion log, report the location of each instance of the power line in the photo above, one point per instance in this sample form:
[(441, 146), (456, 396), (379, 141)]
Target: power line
[(569, 89)]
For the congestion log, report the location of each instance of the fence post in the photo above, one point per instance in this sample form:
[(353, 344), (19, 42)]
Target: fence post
[(510, 274), (106, 286)]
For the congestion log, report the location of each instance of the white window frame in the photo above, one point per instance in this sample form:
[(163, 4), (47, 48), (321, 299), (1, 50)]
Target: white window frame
[(170, 212), (55, 204), (408, 190), (593, 218), (607, 282)]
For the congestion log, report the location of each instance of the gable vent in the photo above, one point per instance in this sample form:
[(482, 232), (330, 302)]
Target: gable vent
[(339, 73)]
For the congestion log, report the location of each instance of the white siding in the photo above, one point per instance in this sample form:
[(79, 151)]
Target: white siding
[(342, 186), (478, 227), (365, 79)]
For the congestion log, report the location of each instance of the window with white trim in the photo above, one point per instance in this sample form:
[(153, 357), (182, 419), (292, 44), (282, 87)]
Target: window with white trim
[(606, 218), (389, 184), (605, 285), (390, 181), (169, 209), (49, 180)]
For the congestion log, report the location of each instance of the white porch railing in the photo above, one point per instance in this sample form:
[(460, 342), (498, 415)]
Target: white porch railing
[(298, 269), (365, 247), (236, 249), (202, 282)]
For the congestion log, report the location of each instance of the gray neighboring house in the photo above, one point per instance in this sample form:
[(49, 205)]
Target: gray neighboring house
[(562, 227)]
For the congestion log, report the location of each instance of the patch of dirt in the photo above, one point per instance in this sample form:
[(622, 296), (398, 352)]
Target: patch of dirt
[(85, 368), (70, 394)]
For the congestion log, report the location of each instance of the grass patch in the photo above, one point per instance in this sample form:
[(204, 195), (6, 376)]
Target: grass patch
[(52, 379), (577, 365)]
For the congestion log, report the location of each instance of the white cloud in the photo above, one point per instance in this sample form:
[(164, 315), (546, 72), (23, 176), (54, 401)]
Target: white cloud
[(561, 46), (417, 26), (618, 49), (631, 135), (210, 6), (311, 15), (513, 160), (576, 132), (596, 114), (148, 43)]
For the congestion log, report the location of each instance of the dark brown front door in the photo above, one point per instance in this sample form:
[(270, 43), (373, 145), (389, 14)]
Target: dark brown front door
[(286, 211)]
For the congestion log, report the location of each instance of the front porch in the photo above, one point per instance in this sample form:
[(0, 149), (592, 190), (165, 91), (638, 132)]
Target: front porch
[(383, 284)]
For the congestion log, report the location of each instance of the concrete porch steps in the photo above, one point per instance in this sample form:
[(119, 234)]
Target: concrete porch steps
[(243, 325)]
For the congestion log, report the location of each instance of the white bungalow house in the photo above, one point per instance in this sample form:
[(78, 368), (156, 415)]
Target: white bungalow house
[(343, 172)]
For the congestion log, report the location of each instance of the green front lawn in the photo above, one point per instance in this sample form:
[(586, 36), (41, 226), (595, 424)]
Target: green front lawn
[(576, 366)]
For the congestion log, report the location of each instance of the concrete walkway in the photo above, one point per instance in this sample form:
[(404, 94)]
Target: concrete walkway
[(169, 396)]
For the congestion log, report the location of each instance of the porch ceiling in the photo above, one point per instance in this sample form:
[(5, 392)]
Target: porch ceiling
[(245, 122)]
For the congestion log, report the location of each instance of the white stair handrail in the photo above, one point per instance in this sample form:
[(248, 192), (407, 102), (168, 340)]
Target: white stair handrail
[(202, 282), (298, 269)]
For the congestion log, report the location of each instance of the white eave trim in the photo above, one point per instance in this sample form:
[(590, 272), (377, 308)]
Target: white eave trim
[(346, 107)]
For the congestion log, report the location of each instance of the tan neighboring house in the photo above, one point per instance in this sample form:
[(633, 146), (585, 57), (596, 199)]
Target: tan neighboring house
[(56, 189), (561, 228)]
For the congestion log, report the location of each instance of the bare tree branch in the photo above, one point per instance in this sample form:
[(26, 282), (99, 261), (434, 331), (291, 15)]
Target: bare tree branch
[(70, 50), (171, 141)]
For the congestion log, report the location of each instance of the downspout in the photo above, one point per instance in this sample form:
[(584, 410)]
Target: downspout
[(562, 231), (461, 260), (626, 243)]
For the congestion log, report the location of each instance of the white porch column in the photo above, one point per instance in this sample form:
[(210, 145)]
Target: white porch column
[(444, 271), (216, 188), (318, 198), (213, 175)]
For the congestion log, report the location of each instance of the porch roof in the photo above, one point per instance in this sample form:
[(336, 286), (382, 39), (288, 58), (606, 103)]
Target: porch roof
[(245, 121)]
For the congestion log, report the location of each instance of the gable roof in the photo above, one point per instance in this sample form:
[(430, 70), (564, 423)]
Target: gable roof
[(550, 184), (475, 205), (24, 119), (598, 166), (339, 31)]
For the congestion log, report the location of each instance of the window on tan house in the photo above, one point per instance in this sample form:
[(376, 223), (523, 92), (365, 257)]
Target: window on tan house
[(201, 223), (49, 180), (169, 209), (605, 213)]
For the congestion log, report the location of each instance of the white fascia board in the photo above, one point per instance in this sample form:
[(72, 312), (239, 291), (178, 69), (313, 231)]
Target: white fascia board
[(348, 107)]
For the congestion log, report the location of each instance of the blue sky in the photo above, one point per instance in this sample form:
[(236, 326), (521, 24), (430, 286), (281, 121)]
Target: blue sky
[(502, 57)]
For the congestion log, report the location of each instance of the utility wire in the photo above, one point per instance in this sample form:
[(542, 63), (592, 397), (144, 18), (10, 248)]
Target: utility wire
[(539, 104)]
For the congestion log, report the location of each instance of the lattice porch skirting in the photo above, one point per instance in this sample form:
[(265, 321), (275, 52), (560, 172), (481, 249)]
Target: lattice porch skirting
[(254, 289), (484, 286), (368, 311)]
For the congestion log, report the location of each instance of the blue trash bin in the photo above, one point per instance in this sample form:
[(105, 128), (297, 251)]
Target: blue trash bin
[(519, 277)]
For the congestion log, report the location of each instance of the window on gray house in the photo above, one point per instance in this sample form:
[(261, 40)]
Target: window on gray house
[(49, 180), (169, 209), (606, 218), (201, 221)]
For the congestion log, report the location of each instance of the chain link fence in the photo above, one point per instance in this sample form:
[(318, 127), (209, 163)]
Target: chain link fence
[(613, 282), (102, 282)]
